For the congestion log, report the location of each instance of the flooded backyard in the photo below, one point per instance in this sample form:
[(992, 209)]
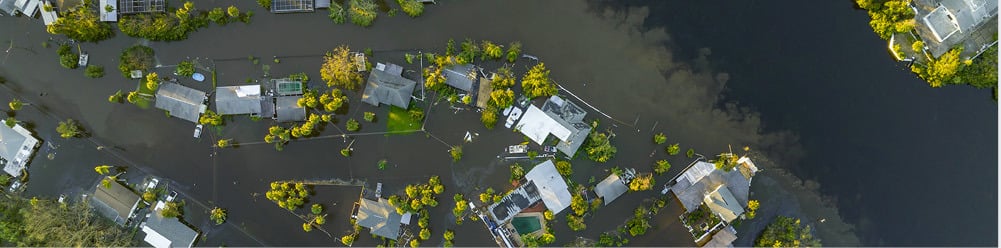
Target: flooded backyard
[(621, 59)]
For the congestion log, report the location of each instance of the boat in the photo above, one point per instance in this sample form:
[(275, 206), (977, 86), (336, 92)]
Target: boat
[(84, 57), (517, 149), (515, 115)]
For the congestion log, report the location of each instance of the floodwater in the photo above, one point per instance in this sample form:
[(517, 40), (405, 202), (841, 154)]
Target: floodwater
[(636, 64)]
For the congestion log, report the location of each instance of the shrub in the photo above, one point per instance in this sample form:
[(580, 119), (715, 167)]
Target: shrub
[(68, 58), (369, 116), (352, 125), (362, 12), (413, 8), (94, 71), (136, 57)]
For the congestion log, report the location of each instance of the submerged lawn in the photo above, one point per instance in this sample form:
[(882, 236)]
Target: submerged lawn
[(400, 122)]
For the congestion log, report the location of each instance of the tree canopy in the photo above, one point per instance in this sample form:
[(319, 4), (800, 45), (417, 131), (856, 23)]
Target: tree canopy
[(69, 129), (787, 232), (41, 222), (82, 24), (339, 69), (889, 16), (536, 82)]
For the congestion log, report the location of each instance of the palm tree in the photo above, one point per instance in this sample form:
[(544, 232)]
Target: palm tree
[(15, 104)]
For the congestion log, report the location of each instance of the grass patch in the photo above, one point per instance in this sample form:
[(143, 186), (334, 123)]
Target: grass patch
[(401, 122), (144, 103)]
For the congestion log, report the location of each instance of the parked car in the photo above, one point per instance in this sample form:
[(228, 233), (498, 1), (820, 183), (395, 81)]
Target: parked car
[(198, 131), (551, 149), (152, 183), (171, 196)]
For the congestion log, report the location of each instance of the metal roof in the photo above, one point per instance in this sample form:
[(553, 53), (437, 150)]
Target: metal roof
[(514, 202), (610, 188), (460, 76), (182, 102), (115, 202), (7, 6), (942, 23), (737, 182), (17, 145), (552, 187), (723, 238), (389, 87), (162, 232), (287, 109), (560, 118), (236, 100), (291, 6), (140, 6), (48, 17), (380, 217), (722, 202)]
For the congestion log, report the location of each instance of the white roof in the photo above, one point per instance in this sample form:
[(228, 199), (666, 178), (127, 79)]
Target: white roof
[(248, 90), (551, 185), (107, 16), (697, 172), (536, 124), (17, 145), (49, 16), (155, 239)]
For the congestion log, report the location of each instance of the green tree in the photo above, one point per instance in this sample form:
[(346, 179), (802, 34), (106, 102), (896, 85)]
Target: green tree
[(661, 167), (889, 17), (599, 147), (266, 4), (185, 69), (642, 182), (172, 209), (939, 71), (316, 209), (82, 24), (513, 51), (536, 82), (346, 152), (425, 234), (502, 98), (233, 12), (673, 149), (490, 50), (659, 138), (223, 143), (690, 153), (307, 227), (339, 69), (152, 81), (369, 116), (576, 223), (67, 58), (414, 243), (517, 172), (15, 104), (10, 122), (218, 16), (413, 8), (503, 78), (489, 117), (352, 125), (362, 12), (149, 196), (46, 223), (752, 207), (786, 232), (456, 153), (94, 71), (116, 98), (210, 118), (468, 52), (548, 214), (218, 215), (337, 13), (918, 46), (564, 167), (69, 129), (103, 169), (136, 57)]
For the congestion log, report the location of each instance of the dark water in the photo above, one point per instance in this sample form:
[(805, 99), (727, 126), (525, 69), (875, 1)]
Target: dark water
[(908, 164), (641, 66)]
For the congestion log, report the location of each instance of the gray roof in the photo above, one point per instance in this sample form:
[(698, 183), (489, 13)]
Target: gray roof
[(7, 6), (722, 202), (182, 102), (610, 188), (236, 100), (460, 76), (380, 217), (115, 202), (179, 234), (942, 23), (571, 116), (387, 86), (692, 195), (723, 238), (970, 13), (286, 109), (322, 4), (291, 6)]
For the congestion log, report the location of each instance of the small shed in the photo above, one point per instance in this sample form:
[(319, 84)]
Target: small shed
[(610, 188)]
